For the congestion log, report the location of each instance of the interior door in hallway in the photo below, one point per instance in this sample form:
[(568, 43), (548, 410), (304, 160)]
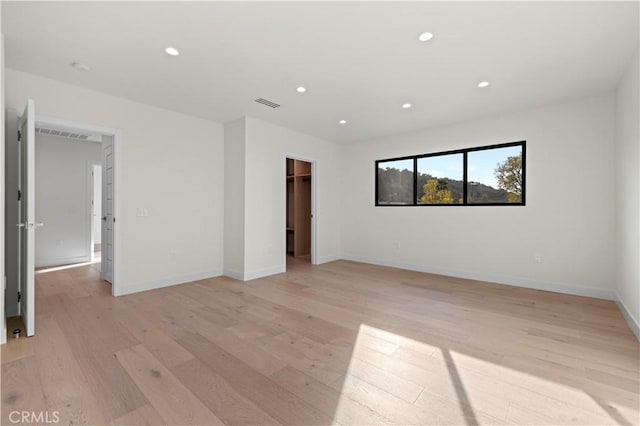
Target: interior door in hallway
[(27, 224), (108, 218)]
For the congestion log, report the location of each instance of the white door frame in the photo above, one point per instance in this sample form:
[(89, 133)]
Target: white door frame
[(117, 176), (314, 204), (3, 284), (90, 178)]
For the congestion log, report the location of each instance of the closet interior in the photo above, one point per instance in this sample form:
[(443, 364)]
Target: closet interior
[(298, 208)]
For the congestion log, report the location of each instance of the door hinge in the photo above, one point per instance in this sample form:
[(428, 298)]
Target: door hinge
[(19, 195), (19, 296), (19, 135)]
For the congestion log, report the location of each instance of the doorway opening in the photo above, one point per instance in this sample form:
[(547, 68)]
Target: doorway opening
[(99, 206), (299, 211), (64, 196), (63, 191)]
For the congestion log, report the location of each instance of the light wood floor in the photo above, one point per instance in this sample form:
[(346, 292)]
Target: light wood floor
[(342, 343)]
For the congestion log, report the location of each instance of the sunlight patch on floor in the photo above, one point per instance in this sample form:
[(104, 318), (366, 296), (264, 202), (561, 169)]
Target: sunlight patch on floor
[(62, 267), (401, 380), (96, 260), (386, 385)]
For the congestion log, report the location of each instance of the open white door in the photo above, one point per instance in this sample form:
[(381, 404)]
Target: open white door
[(28, 224), (108, 218)]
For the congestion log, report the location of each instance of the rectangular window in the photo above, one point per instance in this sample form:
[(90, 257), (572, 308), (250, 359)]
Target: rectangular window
[(395, 182), (440, 179), (494, 176), (490, 175)]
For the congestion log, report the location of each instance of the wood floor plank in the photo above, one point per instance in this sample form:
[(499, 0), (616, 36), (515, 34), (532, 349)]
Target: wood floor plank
[(331, 402), (220, 396), (24, 389), (386, 405), (258, 359), (158, 343), (279, 403), (284, 347), (64, 386), (145, 415), (379, 377), (115, 391), (340, 343), (166, 394)]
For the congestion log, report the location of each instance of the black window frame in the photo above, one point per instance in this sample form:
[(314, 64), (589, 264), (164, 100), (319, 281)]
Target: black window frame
[(465, 181)]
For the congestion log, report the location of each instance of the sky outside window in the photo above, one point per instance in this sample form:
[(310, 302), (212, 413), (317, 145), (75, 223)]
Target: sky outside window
[(481, 165), (397, 164), (442, 166)]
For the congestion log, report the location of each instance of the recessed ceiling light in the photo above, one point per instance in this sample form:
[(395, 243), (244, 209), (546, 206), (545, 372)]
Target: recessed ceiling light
[(406, 106), (483, 84), (80, 66), (426, 36), (172, 51), (342, 121), (301, 89)]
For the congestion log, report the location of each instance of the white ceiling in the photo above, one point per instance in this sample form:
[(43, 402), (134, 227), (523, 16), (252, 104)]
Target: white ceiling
[(358, 60)]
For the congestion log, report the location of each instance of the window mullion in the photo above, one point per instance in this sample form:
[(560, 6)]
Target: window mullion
[(464, 178)]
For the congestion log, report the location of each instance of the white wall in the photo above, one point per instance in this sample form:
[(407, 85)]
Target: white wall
[(63, 199), (267, 147), (627, 184), (568, 218), (172, 165), (234, 195)]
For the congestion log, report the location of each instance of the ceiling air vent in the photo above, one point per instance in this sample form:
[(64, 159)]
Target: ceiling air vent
[(66, 134), (267, 103)]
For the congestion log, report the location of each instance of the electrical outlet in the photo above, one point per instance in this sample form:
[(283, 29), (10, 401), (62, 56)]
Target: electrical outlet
[(537, 258)]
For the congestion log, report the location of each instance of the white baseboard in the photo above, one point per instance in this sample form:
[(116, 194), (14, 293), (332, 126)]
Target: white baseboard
[(634, 324), (494, 278), (252, 275), (327, 259), (280, 269), (236, 275), (168, 282), (259, 273)]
